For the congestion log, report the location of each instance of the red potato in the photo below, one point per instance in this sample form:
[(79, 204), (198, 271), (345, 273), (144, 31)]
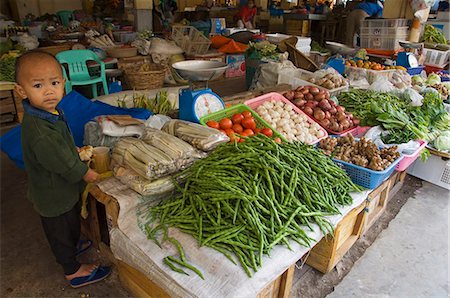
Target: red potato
[(320, 97), (319, 114), (289, 95), (309, 96), (299, 102), (314, 90), (305, 91), (325, 105), (298, 95), (308, 110)]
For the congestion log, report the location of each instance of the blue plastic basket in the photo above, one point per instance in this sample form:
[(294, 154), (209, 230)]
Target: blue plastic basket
[(443, 79), (415, 70), (366, 177)]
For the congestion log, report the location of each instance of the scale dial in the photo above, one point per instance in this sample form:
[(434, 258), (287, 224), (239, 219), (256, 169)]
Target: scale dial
[(207, 103)]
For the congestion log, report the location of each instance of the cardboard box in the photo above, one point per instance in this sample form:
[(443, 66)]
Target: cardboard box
[(217, 25), (236, 65)]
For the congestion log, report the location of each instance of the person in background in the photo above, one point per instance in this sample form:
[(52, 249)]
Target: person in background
[(319, 7), (369, 8), (246, 16)]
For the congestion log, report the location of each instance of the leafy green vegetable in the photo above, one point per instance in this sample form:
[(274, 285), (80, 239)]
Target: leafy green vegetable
[(404, 122), (442, 143), (433, 35), (433, 79)]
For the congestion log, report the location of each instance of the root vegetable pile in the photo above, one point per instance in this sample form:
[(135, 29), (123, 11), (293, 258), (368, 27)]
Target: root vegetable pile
[(318, 105), (246, 198), (329, 81), (363, 153), (290, 124)]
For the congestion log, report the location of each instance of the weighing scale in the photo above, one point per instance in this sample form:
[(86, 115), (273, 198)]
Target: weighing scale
[(408, 58), (198, 100)]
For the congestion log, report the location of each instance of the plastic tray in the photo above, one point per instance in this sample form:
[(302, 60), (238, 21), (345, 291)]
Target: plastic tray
[(256, 102), (370, 74), (409, 159), (239, 108), (415, 70), (443, 79), (366, 177)]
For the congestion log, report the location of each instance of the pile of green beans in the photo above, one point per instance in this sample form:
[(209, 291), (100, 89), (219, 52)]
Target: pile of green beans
[(245, 198)]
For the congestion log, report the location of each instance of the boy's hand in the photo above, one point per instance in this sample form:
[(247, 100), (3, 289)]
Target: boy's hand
[(91, 176)]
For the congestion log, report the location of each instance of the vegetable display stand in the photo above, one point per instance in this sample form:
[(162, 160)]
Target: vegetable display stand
[(239, 108), (256, 102), (366, 177), (330, 250), (408, 159), (376, 204)]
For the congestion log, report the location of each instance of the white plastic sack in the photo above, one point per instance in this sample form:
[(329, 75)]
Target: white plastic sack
[(267, 74), (162, 46), (110, 128), (375, 134), (157, 121), (413, 96), (381, 84)]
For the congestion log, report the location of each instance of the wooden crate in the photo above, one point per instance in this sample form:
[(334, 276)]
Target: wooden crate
[(330, 250), (376, 203)]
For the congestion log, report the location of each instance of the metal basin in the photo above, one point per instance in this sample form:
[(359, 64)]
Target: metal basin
[(339, 48), (199, 70)]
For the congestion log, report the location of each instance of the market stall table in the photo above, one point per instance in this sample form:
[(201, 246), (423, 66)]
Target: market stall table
[(222, 278)]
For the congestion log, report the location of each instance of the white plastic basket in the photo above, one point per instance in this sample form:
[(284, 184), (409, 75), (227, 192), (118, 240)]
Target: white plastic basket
[(192, 41), (435, 170), (382, 42), (436, 58)]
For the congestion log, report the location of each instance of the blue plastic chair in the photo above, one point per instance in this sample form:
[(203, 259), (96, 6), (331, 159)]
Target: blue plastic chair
[(65, 16), (76, 61)]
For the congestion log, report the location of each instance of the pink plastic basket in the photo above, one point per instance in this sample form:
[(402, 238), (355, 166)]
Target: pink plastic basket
[(360, 131), (409, 159), (256, 102)]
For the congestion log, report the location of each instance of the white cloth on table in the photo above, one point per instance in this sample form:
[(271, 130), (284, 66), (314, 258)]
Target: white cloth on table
[(222, 278)]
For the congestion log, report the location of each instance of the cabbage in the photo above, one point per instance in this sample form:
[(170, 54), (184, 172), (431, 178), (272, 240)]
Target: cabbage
[(417, 80), (442, 143), (445, 133), (433, 79)]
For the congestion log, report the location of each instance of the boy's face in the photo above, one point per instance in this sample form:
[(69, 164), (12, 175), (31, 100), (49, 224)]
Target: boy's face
[(41, 81)]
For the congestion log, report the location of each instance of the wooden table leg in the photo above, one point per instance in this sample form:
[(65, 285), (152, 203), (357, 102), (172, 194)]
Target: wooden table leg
[(286, 283)]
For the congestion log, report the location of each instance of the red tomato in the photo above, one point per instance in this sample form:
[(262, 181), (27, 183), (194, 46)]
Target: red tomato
[(241, 140), (229, 132), (225, 123), (234, 138), (277, 140), (222, 131), (249, 123), (247, 133), (247, 114), (237, 118), (238, 128), (213, 124), (257, 131), (267, 131)]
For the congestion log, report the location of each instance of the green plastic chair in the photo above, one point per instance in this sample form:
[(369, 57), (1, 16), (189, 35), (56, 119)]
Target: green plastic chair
[(76, 61), (65, 16)]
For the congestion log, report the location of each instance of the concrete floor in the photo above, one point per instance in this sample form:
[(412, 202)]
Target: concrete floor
[(411, 257)]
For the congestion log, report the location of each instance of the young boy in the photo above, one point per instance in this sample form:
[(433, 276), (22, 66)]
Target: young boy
[(56, 175)]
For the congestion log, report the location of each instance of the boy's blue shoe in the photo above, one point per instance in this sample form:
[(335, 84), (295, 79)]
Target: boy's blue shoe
[(83, 246), (99, 273)]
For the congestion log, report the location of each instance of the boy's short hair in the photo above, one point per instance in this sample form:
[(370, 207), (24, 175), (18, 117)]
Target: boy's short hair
[(31, 55)]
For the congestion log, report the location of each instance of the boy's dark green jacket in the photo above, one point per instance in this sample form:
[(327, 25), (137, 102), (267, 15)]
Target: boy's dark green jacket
[(55, 171)]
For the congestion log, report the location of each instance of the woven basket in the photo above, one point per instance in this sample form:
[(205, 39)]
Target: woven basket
[(136, 78), (299, 59)]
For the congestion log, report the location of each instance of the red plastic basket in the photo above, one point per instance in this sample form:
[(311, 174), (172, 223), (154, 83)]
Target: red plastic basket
[(256, 102), (409, 159)]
